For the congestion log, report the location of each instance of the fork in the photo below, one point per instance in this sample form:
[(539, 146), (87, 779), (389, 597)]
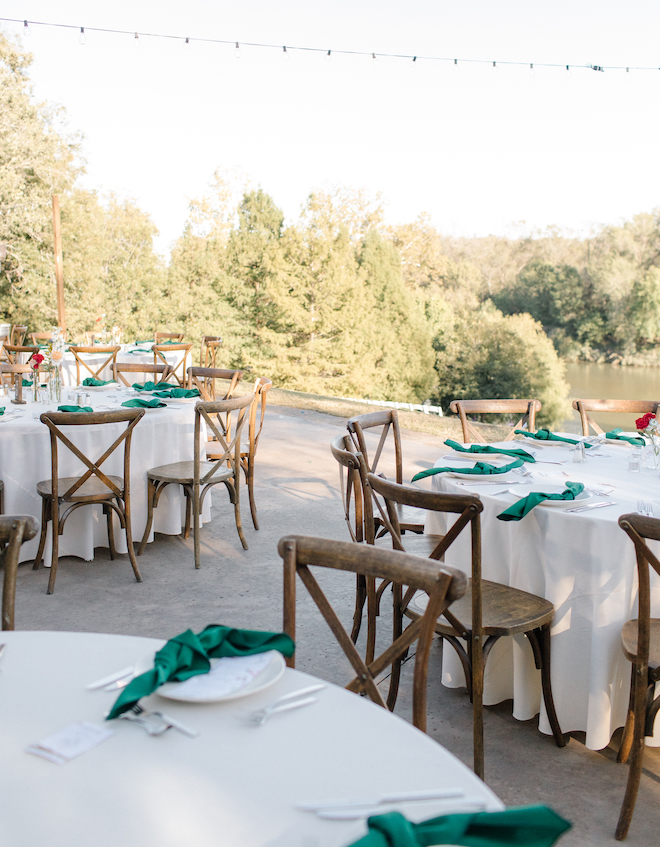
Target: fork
[(293, 700), (645, 507), (164, 722)]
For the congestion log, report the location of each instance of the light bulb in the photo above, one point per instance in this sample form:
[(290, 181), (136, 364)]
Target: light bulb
[(494, 66), (237, 51), (628, 74), (187, 41), (328, 55), (414, 59), (375, 59), (26, 28), (455, 65), (285, 54), (81, 38), (136, 41), (569, 75), (532, 72)]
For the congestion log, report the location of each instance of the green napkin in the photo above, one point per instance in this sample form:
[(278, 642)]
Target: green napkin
[(515, 452), (178, 392), (143, 402), (2, 410), (75, 409), (140, 350), (480, 469), (27, 382), (96, 383), (526, 504), (148, 386), (148, 341), (526, 826), (188, 654), (615, 435), (546, 435)]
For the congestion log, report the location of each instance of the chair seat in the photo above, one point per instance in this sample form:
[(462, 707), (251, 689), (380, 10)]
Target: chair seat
[(184, 472), (506, 610), (629, 641), (91, 489)]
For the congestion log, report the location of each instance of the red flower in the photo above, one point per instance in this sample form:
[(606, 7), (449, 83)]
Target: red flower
[(37, 358), (642, 423)]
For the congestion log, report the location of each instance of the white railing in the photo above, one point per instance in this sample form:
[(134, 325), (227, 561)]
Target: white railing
[(408, 407)]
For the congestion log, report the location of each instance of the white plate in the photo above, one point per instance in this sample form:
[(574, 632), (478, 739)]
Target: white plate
[(582, 497), (475, 477), (110, 387), (213, 688), (565, 444)]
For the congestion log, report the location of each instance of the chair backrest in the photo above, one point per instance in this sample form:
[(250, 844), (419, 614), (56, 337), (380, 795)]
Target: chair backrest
[(55, 420), (36, 337), (637, 407), (208, 350), (262, 386), (14, 352), (14, 531), (178, 370), (229, 446), (386, 425), (358, 509), (408, 575), (13, 371), (121, 368), (159, 337), (18, 334), (526, 408), (94, 371), (204, 380)]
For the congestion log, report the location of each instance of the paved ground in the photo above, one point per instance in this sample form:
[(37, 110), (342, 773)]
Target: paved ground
[(298, 492)]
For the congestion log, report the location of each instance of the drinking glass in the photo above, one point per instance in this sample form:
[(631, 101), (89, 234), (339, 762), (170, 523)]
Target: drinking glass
[(635, 459)]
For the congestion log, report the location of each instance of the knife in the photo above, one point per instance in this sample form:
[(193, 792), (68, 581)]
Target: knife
[(470, 804), (592, 506), (113, 677), (492, 482), (400, 797), (2, 647)]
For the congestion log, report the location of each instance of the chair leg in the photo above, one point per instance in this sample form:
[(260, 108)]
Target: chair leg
[(129, 539), (186, 528), (45, 517), (629, 728), (477, 664), (372, 614), (543, 635), (55, 509), (397, 629), (360, 597), (111, 532), (250, 485), (151, 494), (196, 511), (237, 511), (636, 753)]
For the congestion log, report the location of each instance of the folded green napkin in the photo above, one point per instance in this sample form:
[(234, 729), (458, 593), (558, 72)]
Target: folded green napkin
[(148, 341), (95, 383), (515, 452), (148, 386), (26, 382), (178, 392), (480, 469), (546, 435), (144, 402), (526, 826), (140, 350), (188, 654), (75, 409), (2, 410), (526, 504), (615, 435)]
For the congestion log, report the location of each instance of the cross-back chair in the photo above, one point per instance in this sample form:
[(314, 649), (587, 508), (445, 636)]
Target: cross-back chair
[(205, 379), (14, 531), (408, 574), (94, 371), (198, 477), (14, 351), (527, 409), (637, 407), (386, 426), (160, 337), (488, 610), (40, 337), (208, 350), (640, 639), (9, 374), (248, 457), (61, 496), (178, 370), (18, 334), (158, 373)]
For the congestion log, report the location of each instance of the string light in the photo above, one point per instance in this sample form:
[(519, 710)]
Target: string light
[(26, 29), (532, 72), (136, 41), (328, 55), (187, 41), (375, 58), (237, 51), (81, 38), (494, 66), (285, 54)]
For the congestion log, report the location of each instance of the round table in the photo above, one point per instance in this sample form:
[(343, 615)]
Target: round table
[(126, 355), (584, 564), (234, 785), (163, 435)]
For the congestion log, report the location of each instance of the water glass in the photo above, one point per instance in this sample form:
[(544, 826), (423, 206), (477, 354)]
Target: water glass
[(635, 459), (579, 453), (650, 457)]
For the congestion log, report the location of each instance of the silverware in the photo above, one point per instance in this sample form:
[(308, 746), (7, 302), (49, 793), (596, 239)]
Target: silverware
[(401, 797), (2, 649), (491, 482), (113, 677), (591, 506), (471, 804), (158, 726), (294, 700)]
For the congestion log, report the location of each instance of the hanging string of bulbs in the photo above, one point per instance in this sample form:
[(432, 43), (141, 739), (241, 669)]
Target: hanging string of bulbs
[(286, 50)]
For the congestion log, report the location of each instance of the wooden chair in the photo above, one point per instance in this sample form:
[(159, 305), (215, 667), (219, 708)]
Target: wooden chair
[(408, 574), (9, 374), (208, 350), (2, 497), (178, 370), (488, 610), (154, 371), (387, 423), (40, 337), (526, 408), (640, 639), (204, 380), (14, 352), (14, 531), (95, 372), (160, 337), (636, 407), (18, 334), (62, 496), (199, 476)]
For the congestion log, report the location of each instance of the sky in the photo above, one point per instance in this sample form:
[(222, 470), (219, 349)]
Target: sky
[(481, 150)]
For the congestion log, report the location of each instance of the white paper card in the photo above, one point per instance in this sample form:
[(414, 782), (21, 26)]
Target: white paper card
[(70, 742), (227, 675)]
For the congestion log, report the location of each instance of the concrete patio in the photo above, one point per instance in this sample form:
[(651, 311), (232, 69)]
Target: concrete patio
[(297, 492)]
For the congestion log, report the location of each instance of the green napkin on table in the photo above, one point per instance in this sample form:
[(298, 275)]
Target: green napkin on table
[(27, 383), (480, 469), (526, 826), (143, 402), (615, 435), (515, 452), (546, 435), (148, 386), (75, 409), (96, 383), (526, 504), (178, 392), (140, 350), (189, 654), (148, 341), (2, 410)]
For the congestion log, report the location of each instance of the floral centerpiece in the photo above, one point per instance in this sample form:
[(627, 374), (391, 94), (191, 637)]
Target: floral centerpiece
[(54, 354), (648, 427), (35, 362)]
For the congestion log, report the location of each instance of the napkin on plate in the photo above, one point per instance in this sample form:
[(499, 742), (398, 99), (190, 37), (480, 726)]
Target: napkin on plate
[(515, 452), (615, 435), (526, 504), (148, 341), (546, 435), (148, 386), (526, 826), (142, 402), (91, 382), (140, 350), (189, 654), (178, 392), (75, 409), (480, 469)]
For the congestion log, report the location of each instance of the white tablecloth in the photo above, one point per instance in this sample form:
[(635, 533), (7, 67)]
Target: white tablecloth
[(585, 565), (234, 785), (161, 437), (125, 356)]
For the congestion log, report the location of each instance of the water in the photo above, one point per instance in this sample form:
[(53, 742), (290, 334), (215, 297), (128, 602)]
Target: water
[(592, 381)]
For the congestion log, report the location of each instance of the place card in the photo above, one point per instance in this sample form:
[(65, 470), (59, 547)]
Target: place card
[(70, 742)]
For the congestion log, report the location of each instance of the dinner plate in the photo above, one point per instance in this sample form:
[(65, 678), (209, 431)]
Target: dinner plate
[(582, 497), (475, 477), (110, 387), (229, 678)]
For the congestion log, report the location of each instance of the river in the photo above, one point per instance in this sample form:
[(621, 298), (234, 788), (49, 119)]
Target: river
[(592, 381)]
